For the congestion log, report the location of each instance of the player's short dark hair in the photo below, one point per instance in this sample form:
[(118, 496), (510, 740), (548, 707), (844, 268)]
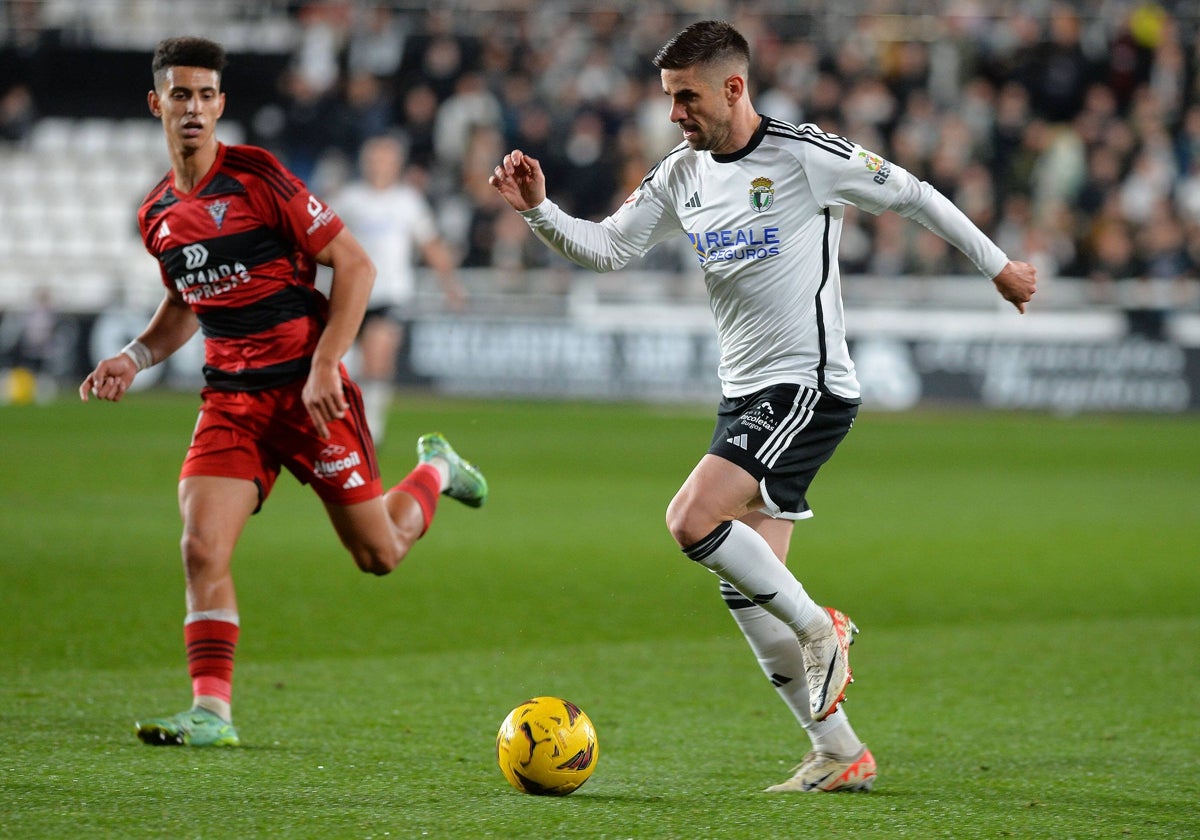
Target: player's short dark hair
[(706, 42), (187, 51)]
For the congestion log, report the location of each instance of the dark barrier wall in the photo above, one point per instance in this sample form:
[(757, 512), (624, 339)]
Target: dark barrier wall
[(1133, 373), (554, 358)]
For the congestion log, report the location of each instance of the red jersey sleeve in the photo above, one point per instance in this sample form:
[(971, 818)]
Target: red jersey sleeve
[(310, 222), (286, 203)]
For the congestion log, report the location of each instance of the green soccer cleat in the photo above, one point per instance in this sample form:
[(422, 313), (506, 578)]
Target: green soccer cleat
[(467, 483), (196, 727)]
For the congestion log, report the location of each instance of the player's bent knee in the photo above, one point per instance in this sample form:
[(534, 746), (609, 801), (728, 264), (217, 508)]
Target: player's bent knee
[(687, 525), (373, 564), (376, 561), (375, 543)]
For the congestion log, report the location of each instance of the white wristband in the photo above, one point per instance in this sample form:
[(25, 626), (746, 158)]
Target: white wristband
[(140, 353)]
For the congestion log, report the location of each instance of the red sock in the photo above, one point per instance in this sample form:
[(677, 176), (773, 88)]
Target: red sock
[(424, 484), (210, 646)]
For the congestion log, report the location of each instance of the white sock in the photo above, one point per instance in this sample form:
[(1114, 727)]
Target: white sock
[(377, 399), (778, 652), (739, 555), (443, 467), (230, 616), (216, 705)]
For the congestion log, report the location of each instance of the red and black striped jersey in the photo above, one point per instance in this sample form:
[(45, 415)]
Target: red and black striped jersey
[(240, 249)]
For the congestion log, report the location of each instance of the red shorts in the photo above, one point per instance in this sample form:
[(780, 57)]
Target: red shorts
[(251, 434)]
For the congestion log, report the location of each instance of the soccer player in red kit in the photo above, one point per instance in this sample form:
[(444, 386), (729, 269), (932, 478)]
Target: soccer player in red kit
[(238, 237)]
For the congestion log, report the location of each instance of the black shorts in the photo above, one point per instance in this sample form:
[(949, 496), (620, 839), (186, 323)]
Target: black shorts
[(396, 312), (782, 435)]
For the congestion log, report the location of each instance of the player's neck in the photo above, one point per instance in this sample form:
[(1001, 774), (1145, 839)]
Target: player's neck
[(192, 165), (743, 129), (746, 128)]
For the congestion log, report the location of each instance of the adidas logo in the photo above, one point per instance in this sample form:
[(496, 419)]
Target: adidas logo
[(694, 201), (355, 480), (740, 441), (779, 680)]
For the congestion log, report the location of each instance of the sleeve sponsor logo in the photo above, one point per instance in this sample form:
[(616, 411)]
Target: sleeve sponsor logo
[(321, 215), (878, 165)]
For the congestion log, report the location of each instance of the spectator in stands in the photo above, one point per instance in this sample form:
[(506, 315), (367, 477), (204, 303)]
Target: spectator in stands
[(17, 113), (376, 43), (1057, 72), (1162, 245), (471, 106), (365, 112), (590, 171), (1110, 256), (418, 118), (1101, 180), (307, 127)]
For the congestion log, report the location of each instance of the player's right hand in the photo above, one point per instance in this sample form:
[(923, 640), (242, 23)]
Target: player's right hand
[(110, 380), (520, 180), (324, 397)]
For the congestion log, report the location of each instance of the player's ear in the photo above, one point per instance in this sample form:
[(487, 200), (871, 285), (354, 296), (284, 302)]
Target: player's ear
[(735, 86), (155, 105)]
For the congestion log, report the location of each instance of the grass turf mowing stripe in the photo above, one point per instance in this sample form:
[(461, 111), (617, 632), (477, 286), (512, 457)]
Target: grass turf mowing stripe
[(1026, 585)]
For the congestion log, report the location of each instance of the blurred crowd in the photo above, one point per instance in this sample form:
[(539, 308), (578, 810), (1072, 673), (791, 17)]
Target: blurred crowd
[(1069, 132), (1072, 138)]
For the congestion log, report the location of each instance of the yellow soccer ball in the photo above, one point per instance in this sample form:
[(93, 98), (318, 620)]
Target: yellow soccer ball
[(547, 747)]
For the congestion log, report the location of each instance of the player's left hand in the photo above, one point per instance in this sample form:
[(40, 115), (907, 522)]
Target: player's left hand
[(519, 178), (110, 380), (324, 398), (1017, 283)]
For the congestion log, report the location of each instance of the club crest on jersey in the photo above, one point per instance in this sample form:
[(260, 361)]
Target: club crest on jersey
[(217, 211), (762, 194)]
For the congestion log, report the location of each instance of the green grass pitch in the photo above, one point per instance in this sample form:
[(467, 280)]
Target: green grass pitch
[(1028, 589)]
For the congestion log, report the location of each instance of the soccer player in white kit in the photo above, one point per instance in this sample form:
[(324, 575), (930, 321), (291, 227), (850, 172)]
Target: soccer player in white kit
[(395, 224), (762, 203)]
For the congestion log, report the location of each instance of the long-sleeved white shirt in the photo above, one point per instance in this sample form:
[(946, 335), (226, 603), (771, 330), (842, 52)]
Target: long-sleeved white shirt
[(765, 223)]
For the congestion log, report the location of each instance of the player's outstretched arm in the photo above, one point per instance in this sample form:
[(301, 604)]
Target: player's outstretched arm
[(170, 328), (599, 246), (520, 180), (1017, 283)]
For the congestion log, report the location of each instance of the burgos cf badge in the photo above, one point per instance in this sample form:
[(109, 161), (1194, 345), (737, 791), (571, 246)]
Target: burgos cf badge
[(762, 194)]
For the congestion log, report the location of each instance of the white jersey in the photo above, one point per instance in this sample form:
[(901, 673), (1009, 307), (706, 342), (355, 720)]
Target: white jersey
[(391, 224), (765, 223)]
